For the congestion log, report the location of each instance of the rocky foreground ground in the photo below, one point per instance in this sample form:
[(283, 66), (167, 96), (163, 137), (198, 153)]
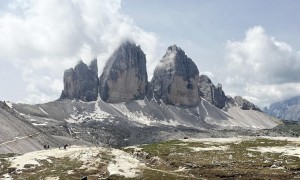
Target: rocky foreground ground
[(206, 158)]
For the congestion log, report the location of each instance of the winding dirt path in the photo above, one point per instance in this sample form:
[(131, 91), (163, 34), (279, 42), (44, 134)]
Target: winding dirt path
[(20, 138)]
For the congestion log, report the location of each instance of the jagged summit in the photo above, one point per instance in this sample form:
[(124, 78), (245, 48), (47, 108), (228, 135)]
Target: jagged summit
[(211, 93), (175, 79), (245, 104), (124, 77), (171, 53), (81, 82)]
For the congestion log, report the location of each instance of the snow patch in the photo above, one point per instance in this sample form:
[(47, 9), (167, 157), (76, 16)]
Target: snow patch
[(85, 154), (98, 115), (204, 108), (9, 104), (124, 164), (141, 103), (43, 110), (286, 150), (40, 124)]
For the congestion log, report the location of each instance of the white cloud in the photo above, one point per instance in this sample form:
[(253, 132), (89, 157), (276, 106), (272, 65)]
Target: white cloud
[(261, 68), (43, 38), (208, 73)]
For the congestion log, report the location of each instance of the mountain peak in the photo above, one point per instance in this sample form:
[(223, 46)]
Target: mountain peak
[(124, 77), (175, 79), (211, 93), (81, 82), (174, 48)]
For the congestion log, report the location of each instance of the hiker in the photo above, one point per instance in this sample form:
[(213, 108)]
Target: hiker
[(65, 146), (48, 146), (45, 146)]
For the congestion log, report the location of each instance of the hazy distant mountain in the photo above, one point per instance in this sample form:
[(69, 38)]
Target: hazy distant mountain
[(286, 110)]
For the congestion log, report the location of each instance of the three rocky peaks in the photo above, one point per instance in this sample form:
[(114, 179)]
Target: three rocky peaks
[(175, 81)]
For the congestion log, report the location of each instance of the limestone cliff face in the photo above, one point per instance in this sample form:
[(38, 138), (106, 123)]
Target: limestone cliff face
[(124, 77), (175, 79), (211, 93), (81, 82)]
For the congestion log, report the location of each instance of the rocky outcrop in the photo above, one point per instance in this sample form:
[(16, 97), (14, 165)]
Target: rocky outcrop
[(81, 82), (124, 77), (286, 110), (175, 79), (244, 104), (211, 93)]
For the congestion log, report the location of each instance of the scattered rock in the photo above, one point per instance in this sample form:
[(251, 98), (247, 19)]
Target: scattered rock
[(244, 104), (274, 166)]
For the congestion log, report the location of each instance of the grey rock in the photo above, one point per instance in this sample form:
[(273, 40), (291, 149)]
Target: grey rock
[(175, 79), (124, 77), (81, 82), (211, 93), (244, 104), (286, 110)]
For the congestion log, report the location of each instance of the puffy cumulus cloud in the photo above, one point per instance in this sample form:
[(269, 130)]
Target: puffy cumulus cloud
[(261, 68), (43, 38)]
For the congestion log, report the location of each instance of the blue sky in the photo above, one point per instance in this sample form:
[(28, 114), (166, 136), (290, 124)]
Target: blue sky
[(251, 47)]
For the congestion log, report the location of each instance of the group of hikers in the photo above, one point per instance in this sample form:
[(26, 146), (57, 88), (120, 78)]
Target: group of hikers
[(65, 146), (47, 146)]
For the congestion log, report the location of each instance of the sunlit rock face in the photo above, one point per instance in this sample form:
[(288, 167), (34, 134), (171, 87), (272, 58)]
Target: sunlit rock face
[(81, 82), (175, 79), (124, 77)]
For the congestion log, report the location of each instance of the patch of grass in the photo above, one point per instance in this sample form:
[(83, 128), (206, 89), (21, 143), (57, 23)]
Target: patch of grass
[(4, 163), (149, 174), (118, 177), (235, 162), (8, 155), (166, 148)]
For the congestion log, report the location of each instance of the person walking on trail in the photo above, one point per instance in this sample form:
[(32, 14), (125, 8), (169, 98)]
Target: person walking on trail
[(65, 146)]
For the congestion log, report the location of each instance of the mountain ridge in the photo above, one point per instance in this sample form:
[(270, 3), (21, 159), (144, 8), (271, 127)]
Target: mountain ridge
[(286, 110), (120, 108)]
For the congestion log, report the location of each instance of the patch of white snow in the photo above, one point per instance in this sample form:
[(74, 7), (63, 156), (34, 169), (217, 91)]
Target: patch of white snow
[(124, 164), (43, 110), (9, 104)]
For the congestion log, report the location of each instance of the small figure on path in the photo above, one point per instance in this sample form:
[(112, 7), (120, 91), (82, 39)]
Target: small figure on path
[(65, 146)]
